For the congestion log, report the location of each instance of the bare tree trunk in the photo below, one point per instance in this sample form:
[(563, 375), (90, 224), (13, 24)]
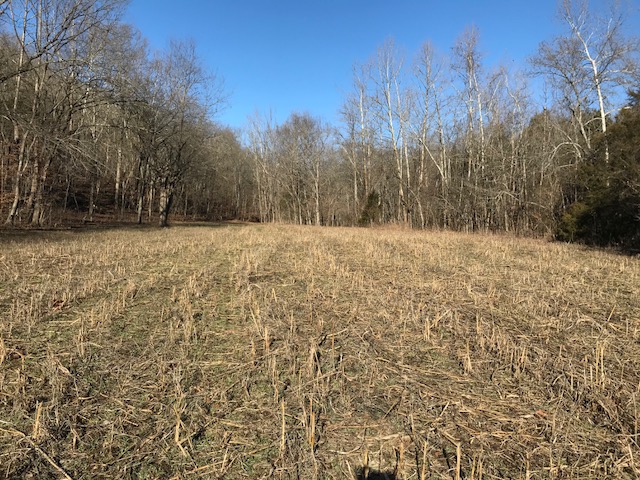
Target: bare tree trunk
[(150, 198), (316, 194), (139, 208), (445, 163), (118, 182), (366, 150), (388, 73), (577, 25), (35, 178), (143, 168), (37, 215), (17, 186), (165, 200), (93, 194)]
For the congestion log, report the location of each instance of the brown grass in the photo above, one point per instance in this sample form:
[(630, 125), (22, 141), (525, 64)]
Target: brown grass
[(288, 352)]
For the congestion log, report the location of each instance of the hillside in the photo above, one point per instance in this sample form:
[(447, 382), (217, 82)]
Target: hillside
[(273, 351)]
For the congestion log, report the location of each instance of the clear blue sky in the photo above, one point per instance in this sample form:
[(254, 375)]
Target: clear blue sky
[(285, 56)]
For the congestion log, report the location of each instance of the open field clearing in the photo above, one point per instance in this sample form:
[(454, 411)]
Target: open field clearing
[(266, 351)]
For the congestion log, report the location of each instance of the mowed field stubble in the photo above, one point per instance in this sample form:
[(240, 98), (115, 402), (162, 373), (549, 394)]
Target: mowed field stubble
[(272, 351)]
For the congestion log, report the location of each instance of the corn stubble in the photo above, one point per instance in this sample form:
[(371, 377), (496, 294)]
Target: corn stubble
[(273, 351)]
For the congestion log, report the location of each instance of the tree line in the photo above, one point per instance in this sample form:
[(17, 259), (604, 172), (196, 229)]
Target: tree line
[(443, 141), (94, 124)]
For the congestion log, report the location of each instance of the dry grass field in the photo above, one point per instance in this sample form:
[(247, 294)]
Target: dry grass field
[(265, 351)]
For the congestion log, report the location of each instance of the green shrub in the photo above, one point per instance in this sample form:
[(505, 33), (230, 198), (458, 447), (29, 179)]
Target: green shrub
[(606, 211)]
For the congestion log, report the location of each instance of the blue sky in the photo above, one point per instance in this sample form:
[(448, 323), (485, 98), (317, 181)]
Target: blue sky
[(285, 56)]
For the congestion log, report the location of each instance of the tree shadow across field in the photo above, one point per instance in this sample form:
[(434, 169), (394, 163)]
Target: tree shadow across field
[(361, 474), (20, 233)]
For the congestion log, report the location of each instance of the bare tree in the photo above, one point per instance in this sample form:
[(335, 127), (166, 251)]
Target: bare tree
[(171, 122), (430, 129), (393, 116), (357, 142), (467, 64), (262, 138), (220, 184), (588, 65), (302, 143), (46, 85)]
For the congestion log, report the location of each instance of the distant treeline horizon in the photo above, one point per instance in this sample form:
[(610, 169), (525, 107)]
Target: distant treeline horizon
[(95, 125)]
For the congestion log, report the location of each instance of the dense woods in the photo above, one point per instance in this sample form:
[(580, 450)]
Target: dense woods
[(95, 126)]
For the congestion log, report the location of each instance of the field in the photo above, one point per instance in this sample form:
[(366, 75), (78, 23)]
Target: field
[(272, 351)]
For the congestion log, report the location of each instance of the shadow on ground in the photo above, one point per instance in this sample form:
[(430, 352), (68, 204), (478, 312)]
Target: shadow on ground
[(374, 475), (23, 232)]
